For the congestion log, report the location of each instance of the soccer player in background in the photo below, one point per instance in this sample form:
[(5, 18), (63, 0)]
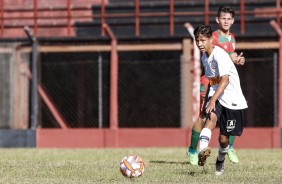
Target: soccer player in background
[(226, 40), (225, 102)]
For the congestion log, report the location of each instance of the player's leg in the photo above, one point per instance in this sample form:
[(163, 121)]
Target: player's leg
[(205, 136), (231, 152), (223, 139), (228, 127), (192, 150), (222, 151), (197, 127)]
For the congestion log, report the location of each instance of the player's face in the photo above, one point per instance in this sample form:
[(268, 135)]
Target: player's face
[(225, 21), (204, 43)]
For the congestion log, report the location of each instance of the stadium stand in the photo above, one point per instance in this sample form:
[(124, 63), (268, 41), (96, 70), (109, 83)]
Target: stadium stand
[(84, 17), (155, 20)]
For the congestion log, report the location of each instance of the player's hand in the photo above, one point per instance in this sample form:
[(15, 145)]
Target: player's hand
[(240, 59), (210, 107)]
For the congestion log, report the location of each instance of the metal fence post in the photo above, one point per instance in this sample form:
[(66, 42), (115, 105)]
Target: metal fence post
[(34, 79)]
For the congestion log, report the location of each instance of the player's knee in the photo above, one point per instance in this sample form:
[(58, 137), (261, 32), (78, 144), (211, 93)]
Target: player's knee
[(211, 118), (223, 141)]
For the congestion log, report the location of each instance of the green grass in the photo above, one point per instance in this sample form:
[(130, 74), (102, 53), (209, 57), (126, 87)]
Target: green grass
[(162, 165)]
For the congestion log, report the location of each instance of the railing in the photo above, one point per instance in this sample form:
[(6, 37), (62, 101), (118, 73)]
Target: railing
[(65, 13), (68, 17)]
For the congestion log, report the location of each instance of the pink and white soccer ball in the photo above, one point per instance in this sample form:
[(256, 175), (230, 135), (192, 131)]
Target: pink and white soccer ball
[(132, 166)]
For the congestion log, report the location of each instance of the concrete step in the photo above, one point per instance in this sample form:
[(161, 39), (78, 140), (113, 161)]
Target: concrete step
[(162, 30), (157, 25)]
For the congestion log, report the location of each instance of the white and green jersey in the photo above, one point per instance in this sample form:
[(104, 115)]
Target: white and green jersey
[(217, 65)]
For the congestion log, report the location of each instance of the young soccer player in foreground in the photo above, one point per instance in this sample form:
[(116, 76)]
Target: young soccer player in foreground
[(226, 40), (226, 100)]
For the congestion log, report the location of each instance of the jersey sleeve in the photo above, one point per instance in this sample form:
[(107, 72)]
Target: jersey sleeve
[(215, 40), (224, 62), (215, 37), (233, 36)]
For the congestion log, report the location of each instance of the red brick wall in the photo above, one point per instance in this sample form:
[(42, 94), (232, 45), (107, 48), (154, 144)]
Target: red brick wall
[(146, 137)]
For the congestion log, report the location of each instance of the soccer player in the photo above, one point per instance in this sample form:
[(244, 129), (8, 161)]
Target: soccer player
[(226, 40), (225, 98)]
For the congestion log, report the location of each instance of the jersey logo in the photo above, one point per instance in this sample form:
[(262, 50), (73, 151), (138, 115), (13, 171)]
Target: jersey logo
[(233, 45), (230, 125), (213, 64), (225, 47)]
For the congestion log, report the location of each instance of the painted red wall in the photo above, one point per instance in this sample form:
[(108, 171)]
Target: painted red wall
[(142, 137)]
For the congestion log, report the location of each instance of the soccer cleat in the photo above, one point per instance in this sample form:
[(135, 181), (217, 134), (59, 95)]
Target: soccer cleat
[(232, 155), (193, 157), (219, 167), (203, 155)]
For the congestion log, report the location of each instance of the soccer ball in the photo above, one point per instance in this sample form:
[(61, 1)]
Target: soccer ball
[(132, 166)]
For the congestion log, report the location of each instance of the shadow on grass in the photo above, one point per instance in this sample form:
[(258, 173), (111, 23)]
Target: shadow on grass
[(195, 172), (168, 162), (173, 162)]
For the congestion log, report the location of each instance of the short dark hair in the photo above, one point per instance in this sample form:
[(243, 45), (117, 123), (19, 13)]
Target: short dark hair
[(204, 30), (225, 9)]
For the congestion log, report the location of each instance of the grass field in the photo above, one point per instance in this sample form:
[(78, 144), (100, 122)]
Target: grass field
[(162, 165)]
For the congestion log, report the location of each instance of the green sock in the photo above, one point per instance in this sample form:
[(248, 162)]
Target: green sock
[(231, 141), (194, 141)]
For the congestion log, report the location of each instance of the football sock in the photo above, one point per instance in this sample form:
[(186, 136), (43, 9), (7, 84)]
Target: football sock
[(205, 137), (231, 141), (222, 152), (230, 146), (194, 141)]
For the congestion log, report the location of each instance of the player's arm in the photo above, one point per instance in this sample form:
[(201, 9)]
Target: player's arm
[(233, 57), (237, 59), (224, 81)]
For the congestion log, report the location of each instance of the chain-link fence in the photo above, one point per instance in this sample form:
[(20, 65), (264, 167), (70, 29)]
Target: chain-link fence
[(71, 79), (259, 78), (5, 82), (149, 88)]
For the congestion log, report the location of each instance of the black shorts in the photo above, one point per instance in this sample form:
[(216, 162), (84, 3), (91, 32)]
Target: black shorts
[(230, 122)]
